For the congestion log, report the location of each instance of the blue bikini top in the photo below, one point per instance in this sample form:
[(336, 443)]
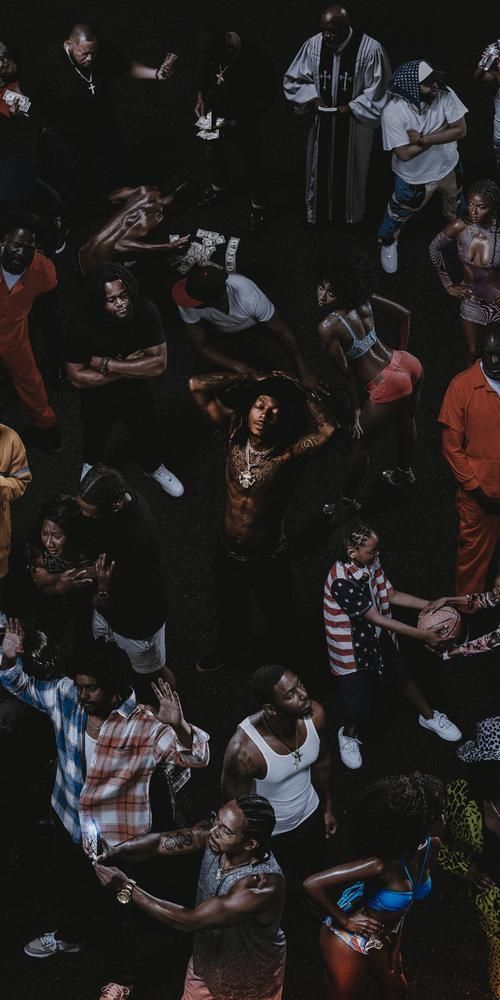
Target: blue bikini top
[(391, 900), (358, 347)]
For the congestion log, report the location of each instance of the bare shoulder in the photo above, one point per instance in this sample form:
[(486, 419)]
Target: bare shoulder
[(242, 754), (455, 228), (260, 881), (318, 715), (329, 325)]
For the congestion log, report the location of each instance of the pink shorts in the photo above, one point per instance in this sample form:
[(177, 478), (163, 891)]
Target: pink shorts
[(196, 989), (397, 380)]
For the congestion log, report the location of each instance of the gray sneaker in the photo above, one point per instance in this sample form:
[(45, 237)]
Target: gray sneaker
[(49, 944)]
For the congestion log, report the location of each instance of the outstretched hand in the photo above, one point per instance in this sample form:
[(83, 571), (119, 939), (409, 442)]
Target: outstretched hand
[(170, 709), (111, 878), (13, 640)]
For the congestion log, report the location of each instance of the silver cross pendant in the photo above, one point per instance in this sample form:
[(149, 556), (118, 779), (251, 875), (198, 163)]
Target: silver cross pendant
[(246, 479)]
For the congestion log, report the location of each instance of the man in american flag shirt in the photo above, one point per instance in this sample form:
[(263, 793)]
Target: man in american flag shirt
[(108, 747), (361, 637)]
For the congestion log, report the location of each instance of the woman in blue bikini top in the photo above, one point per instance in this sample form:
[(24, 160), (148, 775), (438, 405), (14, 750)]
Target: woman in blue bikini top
[(362, 928)]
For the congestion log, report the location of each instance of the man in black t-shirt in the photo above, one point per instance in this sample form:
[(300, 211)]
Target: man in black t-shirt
[(73, 85), (114, 347), (129, 606)]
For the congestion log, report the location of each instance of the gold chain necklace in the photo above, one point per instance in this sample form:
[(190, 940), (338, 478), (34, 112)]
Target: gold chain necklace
[(222, 872)]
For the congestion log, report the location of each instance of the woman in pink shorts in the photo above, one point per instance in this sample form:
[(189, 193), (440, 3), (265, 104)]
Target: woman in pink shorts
[(392, 380)]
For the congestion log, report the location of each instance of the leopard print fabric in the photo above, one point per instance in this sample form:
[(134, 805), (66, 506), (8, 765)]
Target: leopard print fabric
[(465, 840)]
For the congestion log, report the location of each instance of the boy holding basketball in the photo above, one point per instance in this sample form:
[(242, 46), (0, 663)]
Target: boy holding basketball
[(361, 637)]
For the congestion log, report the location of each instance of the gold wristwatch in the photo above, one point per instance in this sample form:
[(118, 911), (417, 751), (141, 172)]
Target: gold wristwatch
[(124, 895)]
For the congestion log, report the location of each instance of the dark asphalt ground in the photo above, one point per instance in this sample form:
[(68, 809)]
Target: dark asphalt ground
[(443, 949)]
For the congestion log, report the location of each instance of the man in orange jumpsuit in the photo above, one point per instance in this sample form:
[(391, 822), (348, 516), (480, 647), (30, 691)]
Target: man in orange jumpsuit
[(470, 414), (24, 275)]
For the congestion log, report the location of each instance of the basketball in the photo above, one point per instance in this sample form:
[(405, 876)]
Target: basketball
[(447, 617)]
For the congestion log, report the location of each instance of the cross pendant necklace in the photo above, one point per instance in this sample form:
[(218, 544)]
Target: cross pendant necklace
[(296, 754), (88, 79), (220, 74)]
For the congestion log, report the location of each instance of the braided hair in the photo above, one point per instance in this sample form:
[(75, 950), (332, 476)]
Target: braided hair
[(260, 821), (393, 816), (102, 487), (490, 190), (348, 532)]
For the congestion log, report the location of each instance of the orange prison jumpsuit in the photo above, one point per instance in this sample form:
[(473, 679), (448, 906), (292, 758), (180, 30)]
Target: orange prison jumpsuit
[(470, 413), (15, 347)]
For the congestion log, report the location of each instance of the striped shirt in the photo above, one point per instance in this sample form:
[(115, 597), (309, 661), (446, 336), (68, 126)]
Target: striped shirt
[(114, 792), (350, 591)]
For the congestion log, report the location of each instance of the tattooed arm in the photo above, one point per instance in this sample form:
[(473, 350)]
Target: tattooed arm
[(240, 767), (154, 845), (204, 390), (325, 425)]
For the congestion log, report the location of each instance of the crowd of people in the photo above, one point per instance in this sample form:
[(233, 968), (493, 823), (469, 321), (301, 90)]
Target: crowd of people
[(83, 620)]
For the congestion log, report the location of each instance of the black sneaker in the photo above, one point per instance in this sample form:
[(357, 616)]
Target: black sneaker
[(211, 662), (49, 440), (209, 197), (398, 477)]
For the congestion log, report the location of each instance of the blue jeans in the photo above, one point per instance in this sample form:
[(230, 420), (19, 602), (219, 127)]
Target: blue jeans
[(407, 199)]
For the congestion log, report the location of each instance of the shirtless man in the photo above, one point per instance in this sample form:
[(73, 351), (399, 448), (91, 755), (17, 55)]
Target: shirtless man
[(265, 445), (281, 752), (141, 210)]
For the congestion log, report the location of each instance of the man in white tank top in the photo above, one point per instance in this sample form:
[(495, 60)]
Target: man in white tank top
[(281, 753)]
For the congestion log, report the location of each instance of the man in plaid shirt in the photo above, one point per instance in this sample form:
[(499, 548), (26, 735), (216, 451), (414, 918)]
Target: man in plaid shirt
[(108, 747)]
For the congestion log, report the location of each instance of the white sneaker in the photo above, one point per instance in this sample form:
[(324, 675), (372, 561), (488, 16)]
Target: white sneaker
[(389, 258), (85, 468), (49, 944), (441, 725), (167, 481), (350, 753)]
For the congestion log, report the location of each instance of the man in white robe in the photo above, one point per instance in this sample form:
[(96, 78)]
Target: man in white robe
[(348, 72)]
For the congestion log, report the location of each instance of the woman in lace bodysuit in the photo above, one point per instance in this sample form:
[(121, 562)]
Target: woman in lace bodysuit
[(477, 239)]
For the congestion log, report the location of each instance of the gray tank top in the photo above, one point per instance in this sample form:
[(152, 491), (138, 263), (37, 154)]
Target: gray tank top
[(358, 347), (244, 962)]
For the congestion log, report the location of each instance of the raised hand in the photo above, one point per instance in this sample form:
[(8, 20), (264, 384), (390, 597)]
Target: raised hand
[(13, 640), (170, 709), (104, 572)]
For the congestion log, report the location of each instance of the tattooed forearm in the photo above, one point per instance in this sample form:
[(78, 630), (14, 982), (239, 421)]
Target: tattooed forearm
[(186, 840), (320, 414), (210, 383)]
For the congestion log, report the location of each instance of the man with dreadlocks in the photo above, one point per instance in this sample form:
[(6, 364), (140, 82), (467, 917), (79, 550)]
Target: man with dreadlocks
[(477, 239), (421, 124), (115, 348), (239, 947), (265, 417), (361, 637), (108, 747)]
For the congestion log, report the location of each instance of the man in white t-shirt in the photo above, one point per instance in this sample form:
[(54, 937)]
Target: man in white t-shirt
[(421, 124), (224, 315)]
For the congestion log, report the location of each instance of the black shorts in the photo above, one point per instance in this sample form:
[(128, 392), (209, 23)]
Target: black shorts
[(358, 688)]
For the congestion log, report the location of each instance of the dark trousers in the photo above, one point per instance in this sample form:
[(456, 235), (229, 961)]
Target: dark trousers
[(81, 898), (246, 140), (82, 174), (301, 851), (269, 579), (131, 402), (359, 689)]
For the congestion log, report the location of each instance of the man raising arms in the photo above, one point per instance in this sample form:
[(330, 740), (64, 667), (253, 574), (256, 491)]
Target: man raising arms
[(265, 417)]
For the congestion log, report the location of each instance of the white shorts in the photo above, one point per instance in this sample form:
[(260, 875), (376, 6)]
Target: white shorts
[(146, 655)]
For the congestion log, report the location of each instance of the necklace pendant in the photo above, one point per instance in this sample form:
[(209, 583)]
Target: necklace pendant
[(220, 79), (92, 88), (246, 479), (297, 757)]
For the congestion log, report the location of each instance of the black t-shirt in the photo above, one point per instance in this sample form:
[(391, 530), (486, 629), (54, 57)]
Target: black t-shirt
[(113, 338), (137, 605), (248, 86), (67, 102)]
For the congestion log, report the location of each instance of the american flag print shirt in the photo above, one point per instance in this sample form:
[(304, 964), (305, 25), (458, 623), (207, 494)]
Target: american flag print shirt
[(350, 591), (114, 793)]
